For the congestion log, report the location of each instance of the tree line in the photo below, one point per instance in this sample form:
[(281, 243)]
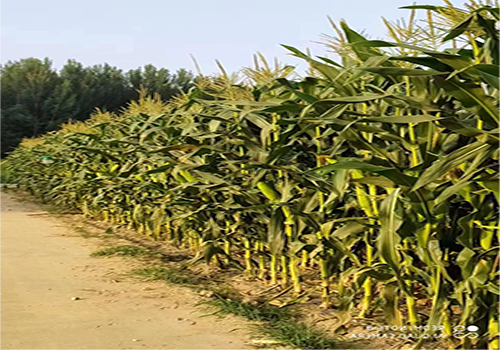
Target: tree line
[(36, 98)]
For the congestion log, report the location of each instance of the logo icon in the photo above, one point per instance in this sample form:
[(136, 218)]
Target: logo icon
[(470, 332)]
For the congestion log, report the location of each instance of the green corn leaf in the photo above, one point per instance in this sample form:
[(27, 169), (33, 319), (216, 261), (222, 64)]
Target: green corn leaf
[(277, 154), (472, 97), (486, 238), (380, 272), (489, 73), (494, 11), (394, 175), (381, 43), (363, 53), (257, 119), (396, 71), (466, 262), (493, 186), (480, 274), (423, 7), (348, 229), (296, 51), (276, 238), (425, 61), (464, 182), (491, 69), (457, 62), (351, 99), (288, 107), (415, 119), (160, 169), (375, 180), (460, 127), (388, 239), (326, 169), (459, 29), (439, 61), (375, 61), (444, 164), (493, 288)]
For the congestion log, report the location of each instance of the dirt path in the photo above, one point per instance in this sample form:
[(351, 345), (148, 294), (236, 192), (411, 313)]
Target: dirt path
[(44, 267)]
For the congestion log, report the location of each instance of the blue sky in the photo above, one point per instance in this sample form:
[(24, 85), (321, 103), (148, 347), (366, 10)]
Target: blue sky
[(132, 33)]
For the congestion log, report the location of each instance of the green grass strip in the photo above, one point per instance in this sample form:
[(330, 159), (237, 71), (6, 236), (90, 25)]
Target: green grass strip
[(278, 324), (124, 250)]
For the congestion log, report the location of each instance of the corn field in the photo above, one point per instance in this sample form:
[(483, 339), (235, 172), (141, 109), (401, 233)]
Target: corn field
[(375, 176)]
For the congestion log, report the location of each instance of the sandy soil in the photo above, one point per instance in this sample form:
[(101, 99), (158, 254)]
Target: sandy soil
[(44, 267)]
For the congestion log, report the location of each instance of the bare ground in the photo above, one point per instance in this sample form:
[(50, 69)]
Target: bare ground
[(45, 266)]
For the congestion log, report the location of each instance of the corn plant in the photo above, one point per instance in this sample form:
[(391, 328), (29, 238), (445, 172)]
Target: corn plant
[(376, 177)]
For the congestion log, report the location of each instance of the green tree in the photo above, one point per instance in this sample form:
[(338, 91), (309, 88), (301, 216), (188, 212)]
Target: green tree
[(37, 99), (27, 85), (14, 121), (108, 88), (158, 81), (80, 80)]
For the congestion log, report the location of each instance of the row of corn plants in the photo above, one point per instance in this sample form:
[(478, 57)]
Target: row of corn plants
[(375, 178)]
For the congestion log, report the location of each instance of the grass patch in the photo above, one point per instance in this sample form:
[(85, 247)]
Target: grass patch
[(297, 334), (165, 274), (254, 313), (278, 324), (124, 250), (84, 233)]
